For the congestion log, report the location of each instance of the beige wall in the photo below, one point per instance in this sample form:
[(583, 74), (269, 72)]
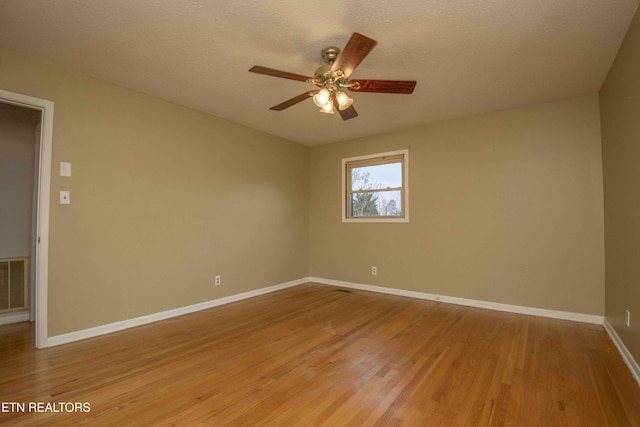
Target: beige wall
[(163, 199), (620, 115), (17, 156), (505, 207)]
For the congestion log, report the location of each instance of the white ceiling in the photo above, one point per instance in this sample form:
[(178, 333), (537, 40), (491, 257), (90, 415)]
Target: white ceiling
[(468, 56)]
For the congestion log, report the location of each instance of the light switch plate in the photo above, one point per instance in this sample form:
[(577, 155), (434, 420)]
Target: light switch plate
[(65, 169), (65, 198)]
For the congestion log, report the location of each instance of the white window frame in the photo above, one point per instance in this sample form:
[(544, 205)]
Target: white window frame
[(405, 199)]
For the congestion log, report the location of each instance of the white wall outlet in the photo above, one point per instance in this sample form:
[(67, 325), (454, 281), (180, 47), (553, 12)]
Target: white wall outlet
[(218, 281), (374, 270), (628, 318), (65, 198)]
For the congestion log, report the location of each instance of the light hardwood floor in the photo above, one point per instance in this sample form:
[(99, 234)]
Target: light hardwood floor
[(313, 355)]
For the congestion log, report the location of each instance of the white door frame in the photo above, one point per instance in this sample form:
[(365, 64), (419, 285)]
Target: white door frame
[(44, 188)]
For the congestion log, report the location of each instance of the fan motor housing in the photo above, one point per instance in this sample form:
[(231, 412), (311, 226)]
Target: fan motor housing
[(329, 54)]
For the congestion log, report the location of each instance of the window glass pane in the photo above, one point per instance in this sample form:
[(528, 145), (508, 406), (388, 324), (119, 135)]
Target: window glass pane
[(376, 203), (377, 177)]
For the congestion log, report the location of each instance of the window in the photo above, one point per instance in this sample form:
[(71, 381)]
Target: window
[(375, 188)]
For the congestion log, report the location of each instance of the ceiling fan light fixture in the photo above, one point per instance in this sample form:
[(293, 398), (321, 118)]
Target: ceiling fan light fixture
[(331, 78), (327, 108), (322, 98), (344, 101)]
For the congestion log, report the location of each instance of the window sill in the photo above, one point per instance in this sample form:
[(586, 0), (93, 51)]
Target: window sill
[(376, 220)]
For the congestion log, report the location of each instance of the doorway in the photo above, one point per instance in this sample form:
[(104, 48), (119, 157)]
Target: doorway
[(41, 112)]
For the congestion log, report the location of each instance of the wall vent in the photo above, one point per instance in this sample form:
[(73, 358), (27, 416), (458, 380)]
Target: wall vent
[(13, 284)]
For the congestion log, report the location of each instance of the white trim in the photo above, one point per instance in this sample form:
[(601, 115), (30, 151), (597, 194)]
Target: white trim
[(553, 314), (9, 318), (405, 201), (44, 187), (624, 352), (143, 320)]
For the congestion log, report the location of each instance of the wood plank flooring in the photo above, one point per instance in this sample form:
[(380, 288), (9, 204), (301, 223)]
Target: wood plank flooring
[(313, 355)]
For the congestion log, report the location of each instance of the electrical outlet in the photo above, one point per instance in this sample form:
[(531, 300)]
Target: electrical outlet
[(65, 198), (628, 319), (374, 270), (218, 280)]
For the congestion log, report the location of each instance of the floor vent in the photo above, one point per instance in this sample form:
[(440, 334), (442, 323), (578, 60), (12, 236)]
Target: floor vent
[(346, 291)]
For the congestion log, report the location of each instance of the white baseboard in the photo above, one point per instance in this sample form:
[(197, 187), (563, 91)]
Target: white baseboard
[(7, 319), (143, 320), (554, 314), (624, 352)]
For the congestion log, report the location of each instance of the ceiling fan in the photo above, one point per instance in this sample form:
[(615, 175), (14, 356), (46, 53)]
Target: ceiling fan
[(332, 77)]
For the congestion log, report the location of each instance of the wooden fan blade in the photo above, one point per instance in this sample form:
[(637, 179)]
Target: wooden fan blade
[(384, 86), (277, 73), (294, 101), (347, 113), (357, 48)]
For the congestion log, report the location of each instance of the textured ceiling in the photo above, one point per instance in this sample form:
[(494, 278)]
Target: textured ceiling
[(468, 56)]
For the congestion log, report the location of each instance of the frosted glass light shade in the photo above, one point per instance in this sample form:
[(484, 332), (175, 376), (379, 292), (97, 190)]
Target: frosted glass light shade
[(343, 100), (322, 98), (328, 108)]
